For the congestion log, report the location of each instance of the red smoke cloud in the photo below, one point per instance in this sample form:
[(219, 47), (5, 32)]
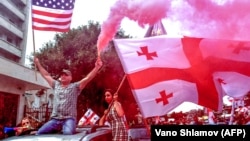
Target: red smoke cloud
[(141, 11), (221, 19)]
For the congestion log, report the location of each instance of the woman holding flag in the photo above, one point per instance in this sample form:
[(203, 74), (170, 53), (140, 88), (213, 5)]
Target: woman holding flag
[(115, 116)]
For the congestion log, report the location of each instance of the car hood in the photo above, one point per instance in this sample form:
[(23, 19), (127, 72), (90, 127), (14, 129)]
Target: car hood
[(48, 137)]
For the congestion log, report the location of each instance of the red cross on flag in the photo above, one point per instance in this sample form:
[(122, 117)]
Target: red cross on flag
[(89, 118), (164, 72)]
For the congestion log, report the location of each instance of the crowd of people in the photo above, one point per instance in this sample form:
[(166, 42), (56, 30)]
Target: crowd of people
[(196, 117)]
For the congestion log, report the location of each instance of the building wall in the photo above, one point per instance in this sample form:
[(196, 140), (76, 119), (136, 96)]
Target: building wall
[(14, 17), (15, 78)]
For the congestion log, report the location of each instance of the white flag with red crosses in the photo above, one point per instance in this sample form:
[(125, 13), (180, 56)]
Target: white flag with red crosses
[(89, 118), (164, 72)]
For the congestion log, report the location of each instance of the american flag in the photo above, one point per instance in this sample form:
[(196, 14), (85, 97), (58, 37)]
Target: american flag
[(52, 15)]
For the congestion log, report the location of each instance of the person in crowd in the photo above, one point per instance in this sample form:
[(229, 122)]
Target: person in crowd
[(25, 128), (139, 117), (9, 129), (63, 116), (115, 116)]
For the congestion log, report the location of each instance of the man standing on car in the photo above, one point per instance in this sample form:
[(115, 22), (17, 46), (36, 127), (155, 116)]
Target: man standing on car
[(64, 111)]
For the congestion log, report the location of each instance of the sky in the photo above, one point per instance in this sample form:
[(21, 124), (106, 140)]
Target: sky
[(220, 19)]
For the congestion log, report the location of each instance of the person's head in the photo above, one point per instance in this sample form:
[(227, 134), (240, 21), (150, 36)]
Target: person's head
[(25, 122), (108, 95), (65, 76)]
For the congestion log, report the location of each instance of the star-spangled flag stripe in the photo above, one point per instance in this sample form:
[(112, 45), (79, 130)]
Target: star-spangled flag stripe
[(48, 12), (62, 27), (51, 29), (44, 22), (52, 15), (55, 4), (193, 60)]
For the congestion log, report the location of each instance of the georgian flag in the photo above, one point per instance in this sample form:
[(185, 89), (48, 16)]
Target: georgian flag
[(164, 72), (89, 118)]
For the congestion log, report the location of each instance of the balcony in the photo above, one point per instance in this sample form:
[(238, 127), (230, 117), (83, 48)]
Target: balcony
[(10, 48), (11, 7), (17, 78), (10, 27)]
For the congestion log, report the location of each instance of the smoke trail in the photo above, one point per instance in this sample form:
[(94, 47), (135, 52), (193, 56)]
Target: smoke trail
[(221, 19), (141, 11)]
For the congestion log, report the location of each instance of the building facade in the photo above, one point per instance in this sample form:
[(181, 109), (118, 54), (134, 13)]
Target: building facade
[(15, 78)]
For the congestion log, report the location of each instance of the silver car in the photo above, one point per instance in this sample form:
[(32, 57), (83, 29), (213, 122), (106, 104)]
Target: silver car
[(86, 133)]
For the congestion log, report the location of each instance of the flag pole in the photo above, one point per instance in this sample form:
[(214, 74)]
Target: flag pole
[(33, 38), (34, 51), (232, 113), (124, 77), (117, 92)]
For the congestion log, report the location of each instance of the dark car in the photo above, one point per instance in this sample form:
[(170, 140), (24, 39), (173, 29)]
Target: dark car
[(86, 133)]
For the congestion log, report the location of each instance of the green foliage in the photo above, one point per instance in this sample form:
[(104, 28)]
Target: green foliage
[(76, 50)]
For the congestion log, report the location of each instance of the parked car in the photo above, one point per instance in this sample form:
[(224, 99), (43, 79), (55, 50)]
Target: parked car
[(86, 133)]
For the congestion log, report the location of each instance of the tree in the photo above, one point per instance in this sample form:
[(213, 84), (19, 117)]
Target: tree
[(76, 50)]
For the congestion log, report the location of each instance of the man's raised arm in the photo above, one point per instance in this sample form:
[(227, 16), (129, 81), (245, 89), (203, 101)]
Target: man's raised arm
[(91, 75), (43, 72)]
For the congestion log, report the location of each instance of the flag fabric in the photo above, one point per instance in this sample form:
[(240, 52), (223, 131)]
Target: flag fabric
[(52, 15), (164, 72), (227, 100), (89, 118), (234, 84)]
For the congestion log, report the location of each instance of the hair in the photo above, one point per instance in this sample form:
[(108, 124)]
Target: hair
[(109, 90), (25, 119), (105, 104)]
